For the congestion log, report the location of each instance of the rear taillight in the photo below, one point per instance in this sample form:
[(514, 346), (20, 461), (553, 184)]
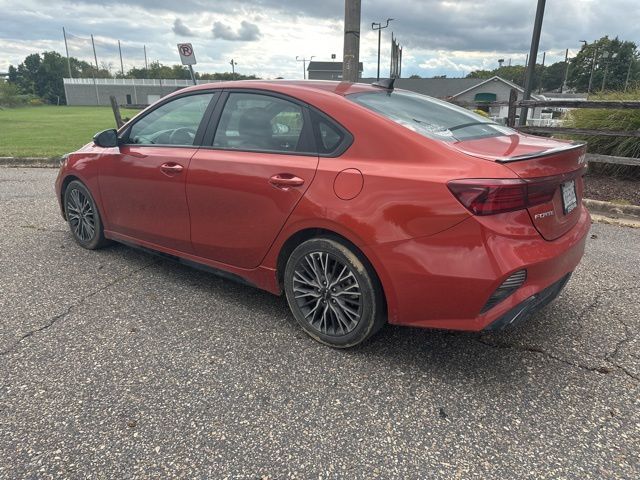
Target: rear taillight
[(490, 196)]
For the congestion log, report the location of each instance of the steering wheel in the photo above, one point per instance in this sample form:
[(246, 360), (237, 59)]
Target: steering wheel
[(182, 136)]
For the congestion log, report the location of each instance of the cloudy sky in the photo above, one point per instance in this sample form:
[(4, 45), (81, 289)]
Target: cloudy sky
[(440, 37)]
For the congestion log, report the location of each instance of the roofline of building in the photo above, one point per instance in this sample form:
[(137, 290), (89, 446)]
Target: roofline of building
[(495, 77)]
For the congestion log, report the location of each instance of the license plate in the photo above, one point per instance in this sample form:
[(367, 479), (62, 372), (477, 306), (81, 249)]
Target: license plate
[(569, 198)]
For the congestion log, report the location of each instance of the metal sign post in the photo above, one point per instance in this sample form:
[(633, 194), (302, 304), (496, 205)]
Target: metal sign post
[(188, 57)]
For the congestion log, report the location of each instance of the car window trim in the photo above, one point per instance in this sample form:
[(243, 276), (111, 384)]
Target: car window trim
[(307, 131), (204, 121)]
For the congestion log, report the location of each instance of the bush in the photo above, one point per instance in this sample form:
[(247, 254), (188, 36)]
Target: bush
[(610, 120), (9, 96)]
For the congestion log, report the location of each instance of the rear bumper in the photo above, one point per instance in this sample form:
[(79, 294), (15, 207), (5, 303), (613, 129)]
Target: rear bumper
[(530, 306), (443, 281)]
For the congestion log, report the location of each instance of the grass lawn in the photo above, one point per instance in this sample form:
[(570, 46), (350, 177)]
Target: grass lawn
[(50, 131)]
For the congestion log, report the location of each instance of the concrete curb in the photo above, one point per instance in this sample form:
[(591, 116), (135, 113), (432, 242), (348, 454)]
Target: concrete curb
[(621, 222), (30, 162), (613, 210)]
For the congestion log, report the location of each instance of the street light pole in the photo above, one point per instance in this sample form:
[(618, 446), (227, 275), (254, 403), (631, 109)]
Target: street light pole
[(379, 27), (533, 55), (304, 64)]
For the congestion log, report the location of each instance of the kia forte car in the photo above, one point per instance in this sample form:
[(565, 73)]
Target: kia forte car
[(363, 204)]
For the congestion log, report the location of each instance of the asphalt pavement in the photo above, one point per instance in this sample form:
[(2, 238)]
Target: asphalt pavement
[(118, 364)]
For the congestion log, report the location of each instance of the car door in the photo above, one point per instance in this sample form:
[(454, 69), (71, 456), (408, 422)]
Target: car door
[(242, 188), (143, 185)]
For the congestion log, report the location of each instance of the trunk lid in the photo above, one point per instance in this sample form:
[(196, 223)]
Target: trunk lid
[(553, 169)]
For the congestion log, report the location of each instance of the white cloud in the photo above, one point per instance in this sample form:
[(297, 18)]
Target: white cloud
[(179, 28), (247, 32)]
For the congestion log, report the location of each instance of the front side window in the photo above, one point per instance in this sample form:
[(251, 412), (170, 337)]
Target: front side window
[(430, 117), (174, 123), (252, 121)]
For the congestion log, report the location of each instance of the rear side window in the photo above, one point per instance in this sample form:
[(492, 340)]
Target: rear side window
[(174, 123), (331, 139), (252, 121), (430, 117)]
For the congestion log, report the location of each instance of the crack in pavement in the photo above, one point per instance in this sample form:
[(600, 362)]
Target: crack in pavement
[(525, 348), (583, 313), (49, 323)]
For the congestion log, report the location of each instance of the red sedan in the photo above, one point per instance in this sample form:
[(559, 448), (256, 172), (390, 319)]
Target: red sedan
[(361, 203)]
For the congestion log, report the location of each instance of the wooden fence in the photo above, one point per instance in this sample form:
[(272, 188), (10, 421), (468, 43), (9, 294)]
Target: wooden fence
[(514, 104)]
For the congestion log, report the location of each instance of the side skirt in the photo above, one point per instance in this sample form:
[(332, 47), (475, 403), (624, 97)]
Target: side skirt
[(261, 277)]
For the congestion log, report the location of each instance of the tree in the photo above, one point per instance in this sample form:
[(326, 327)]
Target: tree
[(42, 75), (9, 94), (52, 71), (604, 55), (553, 76), (225, 76), (512, 73), (484, 74), (415, 75), (27, 74)]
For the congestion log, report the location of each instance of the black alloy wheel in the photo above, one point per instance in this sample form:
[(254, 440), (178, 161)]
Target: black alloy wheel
[(333, 295), (83, 216)]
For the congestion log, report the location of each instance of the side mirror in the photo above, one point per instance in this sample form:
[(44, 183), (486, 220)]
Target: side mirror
[(106, 138)]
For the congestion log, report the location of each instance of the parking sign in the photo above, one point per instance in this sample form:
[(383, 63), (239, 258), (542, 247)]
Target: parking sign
[(186, 54)]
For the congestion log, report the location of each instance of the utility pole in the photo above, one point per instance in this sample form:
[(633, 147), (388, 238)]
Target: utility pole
[(95, 83), (95, 57), (233, 69), (121, 64), (606, 56), (64, 34), (544, 57), (351, 51), (626, 83), (593, 67), (379, 27), (533, 55), (146, 65), (563, 85), (304, 64)]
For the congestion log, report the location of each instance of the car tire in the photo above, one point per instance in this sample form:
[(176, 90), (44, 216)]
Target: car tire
[(83, 217), (333, 293)]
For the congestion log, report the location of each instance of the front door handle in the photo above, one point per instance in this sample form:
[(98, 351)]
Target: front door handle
[(285, 181), (171, 168)]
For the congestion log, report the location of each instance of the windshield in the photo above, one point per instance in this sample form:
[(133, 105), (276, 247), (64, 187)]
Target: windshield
[(430, 117)]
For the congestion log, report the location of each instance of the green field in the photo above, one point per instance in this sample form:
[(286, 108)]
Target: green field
[(48, 131)]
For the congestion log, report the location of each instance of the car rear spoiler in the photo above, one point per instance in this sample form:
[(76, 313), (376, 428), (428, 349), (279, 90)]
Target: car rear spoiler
[(543, 153)]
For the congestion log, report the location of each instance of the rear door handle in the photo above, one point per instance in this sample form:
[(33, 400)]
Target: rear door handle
[(285, 181), (171, 168)]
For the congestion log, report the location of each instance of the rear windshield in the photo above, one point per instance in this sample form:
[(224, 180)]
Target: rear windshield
[(430, 117)]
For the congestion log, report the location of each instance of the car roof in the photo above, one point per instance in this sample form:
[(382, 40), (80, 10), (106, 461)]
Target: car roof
[(339, 88)]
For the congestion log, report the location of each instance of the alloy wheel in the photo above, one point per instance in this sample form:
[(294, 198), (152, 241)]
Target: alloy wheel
[(81, 215), (327, 293)]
